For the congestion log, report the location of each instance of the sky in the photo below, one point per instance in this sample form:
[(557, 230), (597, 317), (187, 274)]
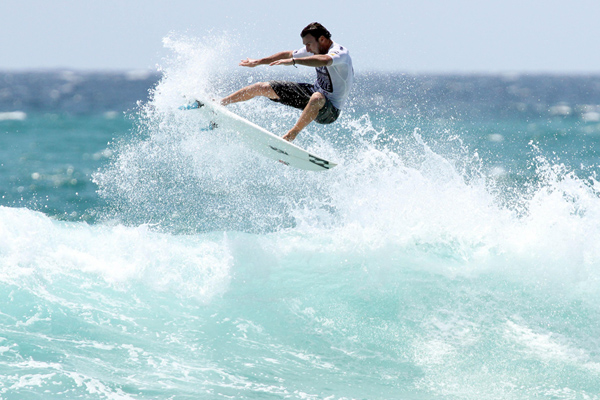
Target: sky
[(417, 36)]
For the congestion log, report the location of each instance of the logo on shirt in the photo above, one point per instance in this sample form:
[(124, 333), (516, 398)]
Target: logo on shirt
[(324, 79)]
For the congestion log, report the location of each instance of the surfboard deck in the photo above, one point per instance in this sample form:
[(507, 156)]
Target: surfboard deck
[(259, 139)]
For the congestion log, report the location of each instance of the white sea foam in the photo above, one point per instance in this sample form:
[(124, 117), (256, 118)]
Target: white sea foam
[(13, 116), (31, 243), (546, 345)]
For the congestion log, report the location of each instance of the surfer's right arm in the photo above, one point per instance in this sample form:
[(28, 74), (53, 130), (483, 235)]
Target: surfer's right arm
[(250, 62)]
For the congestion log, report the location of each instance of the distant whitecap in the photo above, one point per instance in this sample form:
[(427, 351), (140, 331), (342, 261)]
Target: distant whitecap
[(591, 116), (495, 137), (13, 116)]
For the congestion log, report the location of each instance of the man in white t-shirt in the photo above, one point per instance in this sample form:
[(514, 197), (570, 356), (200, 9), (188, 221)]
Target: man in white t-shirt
[(321, 101)]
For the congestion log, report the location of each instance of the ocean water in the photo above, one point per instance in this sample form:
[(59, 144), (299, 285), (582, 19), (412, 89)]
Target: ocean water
[(454, 252)]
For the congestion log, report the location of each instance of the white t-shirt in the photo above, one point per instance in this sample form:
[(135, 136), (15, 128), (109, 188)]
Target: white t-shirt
[(334, 81)]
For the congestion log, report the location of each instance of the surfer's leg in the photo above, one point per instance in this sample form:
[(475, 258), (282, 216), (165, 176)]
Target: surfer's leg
[(250, 92), (310, 112)]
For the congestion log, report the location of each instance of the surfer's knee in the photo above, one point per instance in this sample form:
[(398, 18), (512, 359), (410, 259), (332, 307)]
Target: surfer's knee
[(317, 99)]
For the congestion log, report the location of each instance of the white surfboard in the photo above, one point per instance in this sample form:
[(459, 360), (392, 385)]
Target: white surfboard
[(260, 139)]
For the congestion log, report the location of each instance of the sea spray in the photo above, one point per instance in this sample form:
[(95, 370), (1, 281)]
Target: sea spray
[(392, 187)]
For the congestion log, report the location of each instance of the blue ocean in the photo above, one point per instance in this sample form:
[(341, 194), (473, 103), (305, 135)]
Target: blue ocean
[(453, 253)]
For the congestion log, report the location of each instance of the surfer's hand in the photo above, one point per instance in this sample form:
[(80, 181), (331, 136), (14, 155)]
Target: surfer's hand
[(249, 62), (291, 135)]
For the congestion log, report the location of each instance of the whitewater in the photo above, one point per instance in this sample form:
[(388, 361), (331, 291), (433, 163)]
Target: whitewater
[(421, 267)]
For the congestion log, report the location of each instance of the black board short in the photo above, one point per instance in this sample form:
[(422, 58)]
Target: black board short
[(297, 95)]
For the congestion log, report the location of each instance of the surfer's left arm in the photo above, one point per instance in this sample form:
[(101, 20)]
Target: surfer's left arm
[(318, 60)]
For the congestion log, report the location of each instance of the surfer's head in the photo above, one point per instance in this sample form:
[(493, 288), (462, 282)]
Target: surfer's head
[(316, 30), (316, 38)]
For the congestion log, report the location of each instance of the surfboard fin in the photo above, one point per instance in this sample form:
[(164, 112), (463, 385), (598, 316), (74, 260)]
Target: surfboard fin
[(192, 106)]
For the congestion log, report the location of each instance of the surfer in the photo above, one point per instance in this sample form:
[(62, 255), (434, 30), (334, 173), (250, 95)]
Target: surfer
[(321, 101)]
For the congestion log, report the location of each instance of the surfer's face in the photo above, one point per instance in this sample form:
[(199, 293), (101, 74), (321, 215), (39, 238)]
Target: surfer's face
[(315, 46)]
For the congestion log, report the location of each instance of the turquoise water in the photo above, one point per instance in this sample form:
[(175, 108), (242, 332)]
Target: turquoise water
[(452, 254)]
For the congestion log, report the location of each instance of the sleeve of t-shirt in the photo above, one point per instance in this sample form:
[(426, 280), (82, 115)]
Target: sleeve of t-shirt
[(338, 56), (300, 53)]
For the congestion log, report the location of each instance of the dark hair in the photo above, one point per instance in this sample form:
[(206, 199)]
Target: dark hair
[(316, 30)]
